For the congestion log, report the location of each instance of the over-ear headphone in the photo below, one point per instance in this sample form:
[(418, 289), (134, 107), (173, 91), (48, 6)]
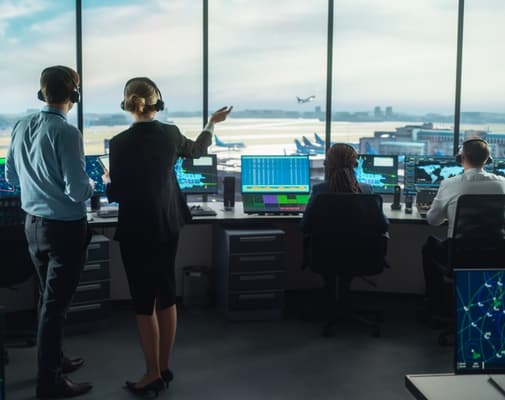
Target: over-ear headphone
[(159, 105), (458, 156), (74, 96)]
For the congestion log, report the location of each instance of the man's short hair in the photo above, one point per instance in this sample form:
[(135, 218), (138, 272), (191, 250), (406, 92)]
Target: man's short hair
[(476, 152), (57, 83)]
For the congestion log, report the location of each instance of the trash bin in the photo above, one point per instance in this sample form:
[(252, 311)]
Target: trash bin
[(196, 286)]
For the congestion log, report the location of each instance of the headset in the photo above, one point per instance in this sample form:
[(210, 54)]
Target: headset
[(346, 145), (159, 105), (458, 156), (74, 96)]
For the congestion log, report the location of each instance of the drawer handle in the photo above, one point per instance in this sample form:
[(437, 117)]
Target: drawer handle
[(92, 267), (256, 277), (256, 258), (269, 238), (86, 288), (257, 296), (87, 307), (93, 246)]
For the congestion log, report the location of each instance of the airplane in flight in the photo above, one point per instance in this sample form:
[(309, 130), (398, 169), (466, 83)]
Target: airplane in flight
[(305, 100), (229, 145)]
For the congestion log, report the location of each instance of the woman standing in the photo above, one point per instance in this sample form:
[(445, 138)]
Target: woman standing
[(152, 210)]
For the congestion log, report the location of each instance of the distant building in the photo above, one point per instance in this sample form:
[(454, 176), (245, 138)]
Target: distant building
[(389, 112), (377, 112)]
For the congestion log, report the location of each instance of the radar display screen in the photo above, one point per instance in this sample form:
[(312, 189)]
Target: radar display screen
[(380, 172), (197, 175)]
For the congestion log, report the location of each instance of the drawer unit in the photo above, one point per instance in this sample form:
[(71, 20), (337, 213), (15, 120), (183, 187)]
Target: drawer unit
[(250, 265), (261, 281), (91, 300), (91, 292)]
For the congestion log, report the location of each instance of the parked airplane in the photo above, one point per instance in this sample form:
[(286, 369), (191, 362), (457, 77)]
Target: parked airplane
[(320, 141), (302, 149), (309, 144), (229, 145), (305, 100)]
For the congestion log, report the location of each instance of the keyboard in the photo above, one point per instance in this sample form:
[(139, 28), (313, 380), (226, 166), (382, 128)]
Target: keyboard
[(107, 212), (201, 211)]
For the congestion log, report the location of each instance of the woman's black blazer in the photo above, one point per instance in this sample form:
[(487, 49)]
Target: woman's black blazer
[(143, 182)]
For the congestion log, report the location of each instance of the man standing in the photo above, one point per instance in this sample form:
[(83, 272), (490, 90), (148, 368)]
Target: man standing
[(474, 155), (46, 159)]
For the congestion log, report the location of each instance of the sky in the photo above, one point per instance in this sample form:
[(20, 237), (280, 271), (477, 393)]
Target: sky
[(262, 53)]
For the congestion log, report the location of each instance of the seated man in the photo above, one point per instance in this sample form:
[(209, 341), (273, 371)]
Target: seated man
[(474, 154)]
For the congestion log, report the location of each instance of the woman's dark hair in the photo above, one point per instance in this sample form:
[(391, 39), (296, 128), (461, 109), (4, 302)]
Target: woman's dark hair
[(341, 159)]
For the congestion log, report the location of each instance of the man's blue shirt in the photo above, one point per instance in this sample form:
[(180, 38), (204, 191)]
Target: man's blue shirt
[(46, 160)]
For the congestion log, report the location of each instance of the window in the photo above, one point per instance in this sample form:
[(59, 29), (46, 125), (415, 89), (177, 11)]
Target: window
[(123, 39), (33, 36), (483, 84), (394, 74)]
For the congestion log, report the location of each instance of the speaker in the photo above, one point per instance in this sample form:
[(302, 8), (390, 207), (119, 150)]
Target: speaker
[(396, 199), (229, 192)]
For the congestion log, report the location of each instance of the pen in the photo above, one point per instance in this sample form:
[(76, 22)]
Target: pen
[(496, 385)]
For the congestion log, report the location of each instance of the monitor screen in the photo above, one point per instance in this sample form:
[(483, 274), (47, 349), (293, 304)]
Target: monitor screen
[(274, 203), (6, 190), (197, 175), (380, 172), (95, 171), (480, 320), (430, 171), (499, 167), (275, 174)]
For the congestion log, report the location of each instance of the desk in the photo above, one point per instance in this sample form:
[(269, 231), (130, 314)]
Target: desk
[(453, 387)]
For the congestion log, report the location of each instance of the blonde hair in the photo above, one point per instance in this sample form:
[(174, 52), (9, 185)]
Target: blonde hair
[(140, 96)]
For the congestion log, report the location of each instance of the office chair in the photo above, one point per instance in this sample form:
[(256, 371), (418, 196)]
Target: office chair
[(16, 268), (478, 240), (346, 240)]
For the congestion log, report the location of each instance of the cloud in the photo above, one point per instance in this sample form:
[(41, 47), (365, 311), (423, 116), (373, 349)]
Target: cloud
[(20, 8)]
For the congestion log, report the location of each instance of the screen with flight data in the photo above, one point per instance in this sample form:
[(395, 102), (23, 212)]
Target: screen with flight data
[(197, 175), (94, 170), (430, 171), (381, 172), (480, 320), (6, 190)]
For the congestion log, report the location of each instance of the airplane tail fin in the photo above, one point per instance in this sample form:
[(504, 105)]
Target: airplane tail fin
[(218, 141), (318, 139)]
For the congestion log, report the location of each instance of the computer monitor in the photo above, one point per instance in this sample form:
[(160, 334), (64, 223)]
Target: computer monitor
[(429, 171), (197, 175), (95, 171), (480, 320), (380, 172), (275, 184), (6, 190), (499, 167)]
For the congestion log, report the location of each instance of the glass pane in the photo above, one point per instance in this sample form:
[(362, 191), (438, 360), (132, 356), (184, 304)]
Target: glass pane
[(123, 39), (267, 59), (483, 84), (394, 75), (33, 36)]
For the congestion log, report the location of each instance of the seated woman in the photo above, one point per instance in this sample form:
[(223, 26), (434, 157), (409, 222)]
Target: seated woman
[(341, 159)]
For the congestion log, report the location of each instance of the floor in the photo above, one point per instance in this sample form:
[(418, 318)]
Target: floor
[(288, 359)]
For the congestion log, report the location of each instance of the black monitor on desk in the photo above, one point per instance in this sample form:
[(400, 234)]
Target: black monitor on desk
[(499, 167), (426, 172), (6, 190), (379, 171), (480, 320), (95, 171), (275, 184), (197, 176)]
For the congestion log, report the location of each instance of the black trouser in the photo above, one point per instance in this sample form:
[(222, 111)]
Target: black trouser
[(58, 252), (435, 254)]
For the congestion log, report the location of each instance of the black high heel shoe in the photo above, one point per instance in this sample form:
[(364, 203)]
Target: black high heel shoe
[(167, 375), (152, 389)]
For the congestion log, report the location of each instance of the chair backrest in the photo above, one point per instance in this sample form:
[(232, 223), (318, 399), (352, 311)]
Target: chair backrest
[(346, 234), (478, 238)]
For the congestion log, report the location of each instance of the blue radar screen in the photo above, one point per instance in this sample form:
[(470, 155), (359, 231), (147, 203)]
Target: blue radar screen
[(480, 320)]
